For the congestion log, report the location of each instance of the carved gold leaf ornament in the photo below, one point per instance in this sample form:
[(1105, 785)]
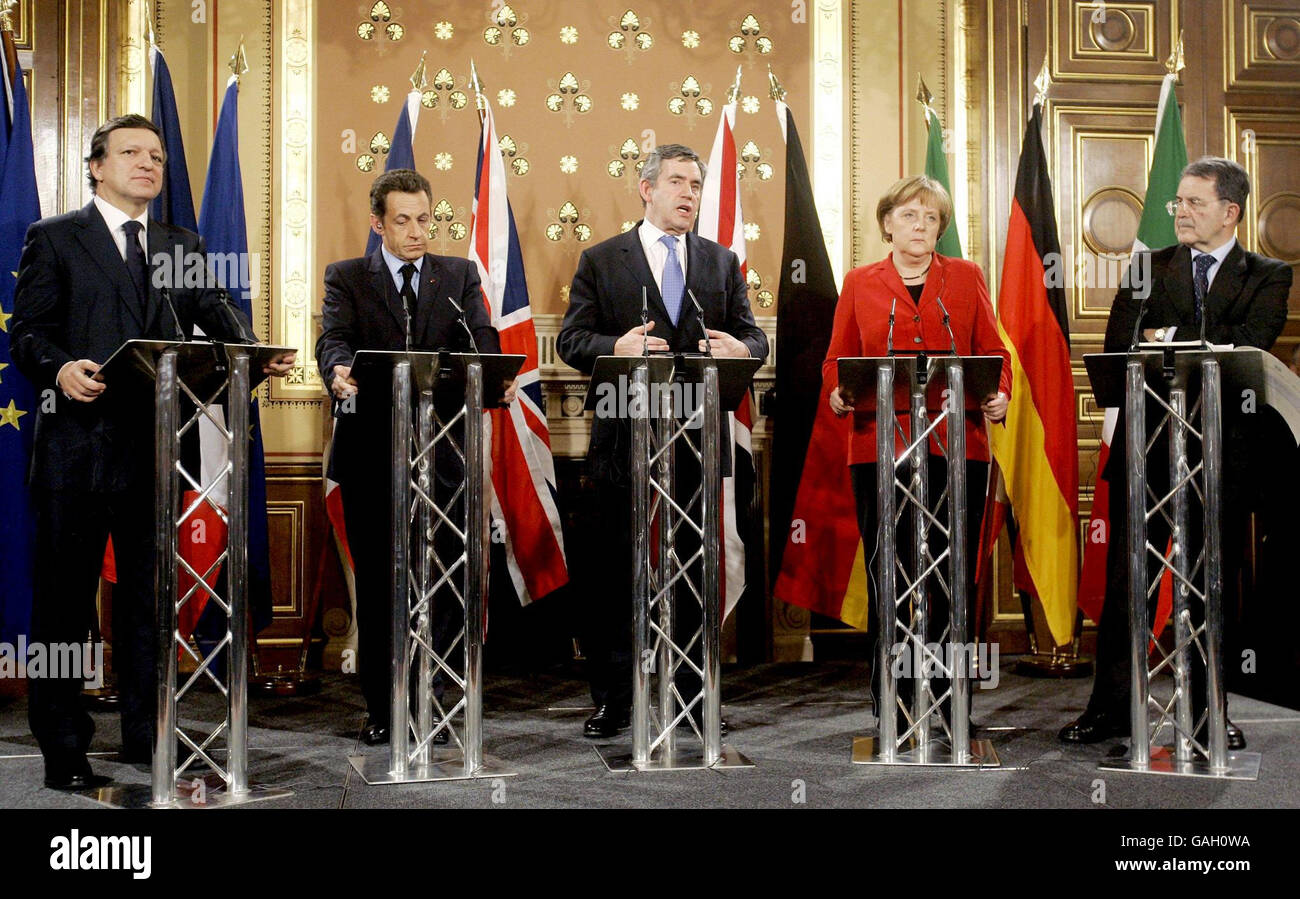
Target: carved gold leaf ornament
[(366, 162), (443, 212), (617, 168), (704, 106), (750, 105), (749, 152), (506, 17), (568, 213), (443, 80), (644, 41), (627, 226), (568, 164), (442, 162), (507, 145), (750, 25), (458, 231), (582, 103), (736, 44), (554, 231), (630, 149), (569, 83), (676, 105), (554, 102), (379, 93), (520, 36), (630, 101), (458, 99), (616, 40), (380, 143), (568, 35), (429, 99), (506, 97), (444, 31), (690, 39), (765, 171), (764, 45), (582, 232), (520, 166), (380, 12), (366, 31), (629, 22), (765, 299), (754, 279), (690, 87), (395, 31), (752, 231), (492, 36)]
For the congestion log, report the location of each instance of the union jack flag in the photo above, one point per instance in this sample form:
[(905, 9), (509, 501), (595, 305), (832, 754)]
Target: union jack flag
[(721, 221), (523, 471)]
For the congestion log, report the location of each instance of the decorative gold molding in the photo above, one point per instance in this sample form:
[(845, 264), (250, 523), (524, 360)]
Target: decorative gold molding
[(294, 251), (827, 138), (133, 77)]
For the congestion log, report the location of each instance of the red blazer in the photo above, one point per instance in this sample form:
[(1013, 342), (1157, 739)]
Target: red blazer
[(862, 326)]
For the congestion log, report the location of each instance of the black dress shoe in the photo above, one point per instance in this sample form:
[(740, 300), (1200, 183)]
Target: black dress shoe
[(374, 734), (71, 771), (1094, 727), (607, 721), (1236, 739)]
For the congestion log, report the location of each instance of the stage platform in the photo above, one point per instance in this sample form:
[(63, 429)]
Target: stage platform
[(795, 721)]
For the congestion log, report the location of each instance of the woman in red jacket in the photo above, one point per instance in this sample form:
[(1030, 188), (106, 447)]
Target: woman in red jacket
[(918, 284)]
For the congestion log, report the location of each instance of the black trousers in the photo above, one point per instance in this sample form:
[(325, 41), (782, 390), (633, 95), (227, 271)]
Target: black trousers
[(607, 639), (72, 529), (863, 477), (1111, 686), (367, 513)]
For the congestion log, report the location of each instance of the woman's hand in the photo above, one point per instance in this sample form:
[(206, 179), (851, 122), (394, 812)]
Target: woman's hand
[(995, 407), (838, 406)]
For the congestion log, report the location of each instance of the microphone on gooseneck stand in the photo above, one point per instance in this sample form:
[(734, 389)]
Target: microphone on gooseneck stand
[(460, 317), (952, 341), (167, 298), (645, 320), (889, 338), (1137, 326), (1204, 316), (699, 310)]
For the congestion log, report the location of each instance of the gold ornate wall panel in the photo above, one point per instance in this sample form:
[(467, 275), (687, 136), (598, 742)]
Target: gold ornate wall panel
[(1263, 46), (1268, 145), (1112, 41)]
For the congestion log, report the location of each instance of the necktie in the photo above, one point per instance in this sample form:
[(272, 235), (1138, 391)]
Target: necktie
[(408, 298), (137, 265), (1201, 281), (673, 284)]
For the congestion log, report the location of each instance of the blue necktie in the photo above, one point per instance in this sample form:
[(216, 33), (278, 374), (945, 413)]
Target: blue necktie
[(1201, 282), (673, 282)]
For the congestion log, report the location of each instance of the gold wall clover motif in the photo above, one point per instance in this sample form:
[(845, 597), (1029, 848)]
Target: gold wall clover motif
[(448, 224), (750, 42), (379, 93), (568, 34), (379, 23), (751, 169), (444, 30), (690, 39), (762, 296), (567, 224), (513, 152), (506, 30), (626, 164), (569, 96), (629, 34), (688, 100), (444, 96)]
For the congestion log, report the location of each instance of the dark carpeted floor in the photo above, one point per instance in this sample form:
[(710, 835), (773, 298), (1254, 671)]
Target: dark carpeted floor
[(795, 721)]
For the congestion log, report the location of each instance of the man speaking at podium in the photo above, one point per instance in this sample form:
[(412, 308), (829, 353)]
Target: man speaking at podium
[(399, 297), (86, 284), (663, 260), (1206, 283)]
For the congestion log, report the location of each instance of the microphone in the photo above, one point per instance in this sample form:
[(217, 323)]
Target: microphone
[(889, 338), (1204, 315), (1137, 325), (952, 341), (699, 310), (167, 298), (460, 317), (645, 320)]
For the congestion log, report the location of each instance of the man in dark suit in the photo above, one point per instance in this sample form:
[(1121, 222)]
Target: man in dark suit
[(1206, 281), (604, 319), (398, 297), (86, 284)]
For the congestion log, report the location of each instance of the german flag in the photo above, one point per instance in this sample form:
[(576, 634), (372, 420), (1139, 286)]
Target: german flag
[(1037, 449)]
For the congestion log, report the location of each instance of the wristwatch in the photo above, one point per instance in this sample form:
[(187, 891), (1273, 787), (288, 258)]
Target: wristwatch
[(1160, 334)]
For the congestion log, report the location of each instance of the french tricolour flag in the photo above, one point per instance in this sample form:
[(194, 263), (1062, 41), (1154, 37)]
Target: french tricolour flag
[(523, 472)]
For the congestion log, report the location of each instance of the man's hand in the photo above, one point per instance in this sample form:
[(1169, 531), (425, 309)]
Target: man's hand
[(630, 343), (838, 406), (280, 366), (511, 390), (995, 406), (724, 344), (343, 386), (75, 381)]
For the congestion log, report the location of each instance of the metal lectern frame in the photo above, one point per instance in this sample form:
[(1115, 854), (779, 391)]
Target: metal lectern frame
[(419, 573), (907, 476), (1197, 578), (205, 373), (664, 417)]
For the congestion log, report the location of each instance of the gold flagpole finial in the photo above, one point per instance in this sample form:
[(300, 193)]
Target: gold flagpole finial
[(239, 62), (1174, 64), (776, 91), (1042, 83), (734, 92), (6, 14), (148, 25), (925, 98), (418, 79), (477, 84)]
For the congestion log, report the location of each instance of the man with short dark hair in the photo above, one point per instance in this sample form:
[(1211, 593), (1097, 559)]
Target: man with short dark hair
[(400, 296), (604, 319), (1206, 283), (86, 284)]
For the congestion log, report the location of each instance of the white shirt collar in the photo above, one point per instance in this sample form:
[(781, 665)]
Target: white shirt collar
[(116, 218), (1219, 253), (650, 236), (395, 266)]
